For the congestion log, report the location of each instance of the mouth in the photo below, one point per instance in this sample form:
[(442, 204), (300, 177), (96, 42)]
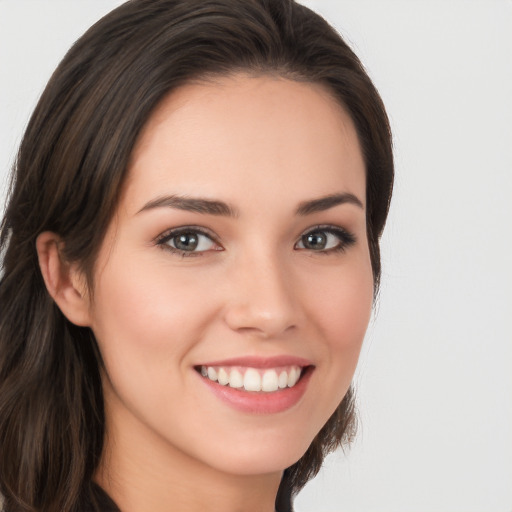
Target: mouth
[(255, 385), (264, 380)]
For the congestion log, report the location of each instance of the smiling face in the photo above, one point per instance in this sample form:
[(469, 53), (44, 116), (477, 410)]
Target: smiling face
[(234, 286)]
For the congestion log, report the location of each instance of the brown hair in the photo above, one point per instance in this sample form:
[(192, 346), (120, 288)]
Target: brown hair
[(67, 176)]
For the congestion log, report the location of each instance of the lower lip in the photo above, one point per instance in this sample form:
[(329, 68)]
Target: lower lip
[(261, 402)]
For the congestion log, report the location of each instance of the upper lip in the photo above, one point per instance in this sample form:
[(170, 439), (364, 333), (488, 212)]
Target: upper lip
[(261, 362)]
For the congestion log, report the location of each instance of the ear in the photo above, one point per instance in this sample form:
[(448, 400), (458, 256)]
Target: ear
[(64, 282)]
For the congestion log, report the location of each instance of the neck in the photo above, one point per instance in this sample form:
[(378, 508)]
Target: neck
[(142, 473)]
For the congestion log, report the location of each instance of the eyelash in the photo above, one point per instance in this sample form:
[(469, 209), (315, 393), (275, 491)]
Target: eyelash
[(346, 239)]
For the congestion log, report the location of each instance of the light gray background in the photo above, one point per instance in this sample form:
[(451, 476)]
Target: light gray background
[(435, 377)]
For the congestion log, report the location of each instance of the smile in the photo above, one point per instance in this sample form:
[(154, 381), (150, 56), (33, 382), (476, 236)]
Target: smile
[(266, 380), (258, 385)]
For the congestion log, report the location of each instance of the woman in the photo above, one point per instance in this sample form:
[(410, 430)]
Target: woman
[(191, 252)]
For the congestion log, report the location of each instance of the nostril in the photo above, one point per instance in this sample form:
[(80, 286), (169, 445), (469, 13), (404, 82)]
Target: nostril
[(261, 322)]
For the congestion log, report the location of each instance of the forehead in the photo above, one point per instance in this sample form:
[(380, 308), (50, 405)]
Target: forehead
[(264, 134)]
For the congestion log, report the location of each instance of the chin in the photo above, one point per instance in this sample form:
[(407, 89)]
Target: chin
[(261, 456), (258, 465)]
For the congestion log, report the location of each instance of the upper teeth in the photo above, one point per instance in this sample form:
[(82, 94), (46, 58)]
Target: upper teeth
[(252, 379)]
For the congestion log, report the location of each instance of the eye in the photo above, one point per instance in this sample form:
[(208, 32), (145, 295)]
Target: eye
[(188, 242), (326, 239)]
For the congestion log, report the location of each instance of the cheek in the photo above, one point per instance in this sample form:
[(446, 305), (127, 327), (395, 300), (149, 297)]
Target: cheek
[(147, 321), (344, 304), (147, 313), (342, 309), (346, 310)]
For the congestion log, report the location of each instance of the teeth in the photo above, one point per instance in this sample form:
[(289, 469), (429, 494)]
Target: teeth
[(236, 379), (223, 377), (252, 379), (293, 377), (269, 381), (283, 380), (212, 374)]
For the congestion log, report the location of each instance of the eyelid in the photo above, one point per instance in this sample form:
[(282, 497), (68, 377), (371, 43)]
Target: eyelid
[(186, 229)]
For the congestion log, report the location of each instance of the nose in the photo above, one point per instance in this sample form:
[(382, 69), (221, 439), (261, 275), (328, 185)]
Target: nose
[(261, 298)]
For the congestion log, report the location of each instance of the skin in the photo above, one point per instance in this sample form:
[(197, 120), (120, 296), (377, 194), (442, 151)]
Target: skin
[(264, 145)]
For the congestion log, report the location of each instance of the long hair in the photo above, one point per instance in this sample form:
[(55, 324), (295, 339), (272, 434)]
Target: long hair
[(67, 177)]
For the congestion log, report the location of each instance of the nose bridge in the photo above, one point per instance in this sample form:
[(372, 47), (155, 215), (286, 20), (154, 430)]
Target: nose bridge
[(262, 299)]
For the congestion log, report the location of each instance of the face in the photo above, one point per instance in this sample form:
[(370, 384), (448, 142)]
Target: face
[(234, 286)]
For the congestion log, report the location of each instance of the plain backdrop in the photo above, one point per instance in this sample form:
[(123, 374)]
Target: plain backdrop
[(435, 377)]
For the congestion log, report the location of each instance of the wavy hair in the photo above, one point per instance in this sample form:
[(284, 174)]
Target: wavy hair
[(67, 177)]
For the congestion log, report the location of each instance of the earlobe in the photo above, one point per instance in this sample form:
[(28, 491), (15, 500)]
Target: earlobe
[(64, 282)]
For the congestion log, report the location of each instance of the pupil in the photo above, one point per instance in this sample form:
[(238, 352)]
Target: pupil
[(315, 241), (186, 241)]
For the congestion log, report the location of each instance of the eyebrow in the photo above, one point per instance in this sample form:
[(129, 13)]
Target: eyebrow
[(325, 203), (220, 208), (191, 204)]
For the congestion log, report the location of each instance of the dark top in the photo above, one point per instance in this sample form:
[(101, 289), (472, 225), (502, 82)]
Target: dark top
[(102, 502)]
